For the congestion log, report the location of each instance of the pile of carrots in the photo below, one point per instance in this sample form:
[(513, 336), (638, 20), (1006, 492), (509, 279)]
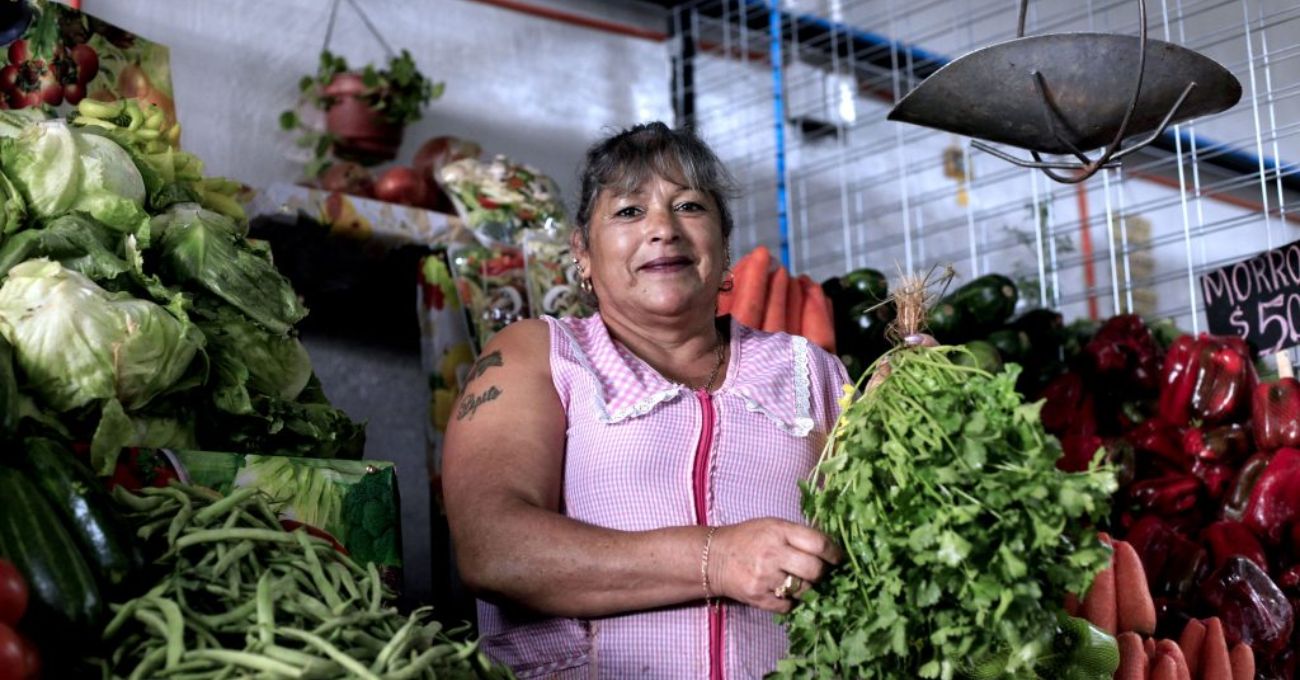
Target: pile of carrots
[(1119, 602), (766, 297)]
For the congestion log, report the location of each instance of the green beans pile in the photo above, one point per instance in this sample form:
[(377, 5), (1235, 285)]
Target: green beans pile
[(246, 598)]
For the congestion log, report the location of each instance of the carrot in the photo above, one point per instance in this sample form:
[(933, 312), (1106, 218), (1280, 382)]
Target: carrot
[(815, 319), (751, 288), (1215, 664), (1099, 603), (1243, 662), (794, 307), (1171, 649), (1165, 669), (1132, 658), (778, 289), (1135, 610), (1191, 641)]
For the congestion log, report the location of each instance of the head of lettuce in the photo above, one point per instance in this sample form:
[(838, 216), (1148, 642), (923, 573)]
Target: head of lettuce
[(77, 343), (61, 169)]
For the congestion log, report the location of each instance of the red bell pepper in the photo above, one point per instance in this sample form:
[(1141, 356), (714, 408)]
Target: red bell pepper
[(1063, 401), (1275, 500), (1227, 538), (1124, 353), (1234, 506), (1167, 495), (1275, 413), (1216, 477), (1225, 379), (1178, 380), (1157, 442), (1223, 444)]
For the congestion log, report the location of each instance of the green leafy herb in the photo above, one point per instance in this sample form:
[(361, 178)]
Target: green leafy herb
[(960, 533)]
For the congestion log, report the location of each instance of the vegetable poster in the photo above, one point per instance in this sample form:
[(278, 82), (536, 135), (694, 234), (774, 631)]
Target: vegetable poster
[(57, 56)]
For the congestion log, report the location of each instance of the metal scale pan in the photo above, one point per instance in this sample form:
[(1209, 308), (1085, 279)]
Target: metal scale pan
[(1067, 93)]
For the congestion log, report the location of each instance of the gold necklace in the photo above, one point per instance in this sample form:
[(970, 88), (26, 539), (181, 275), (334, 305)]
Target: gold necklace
[(717, 365)]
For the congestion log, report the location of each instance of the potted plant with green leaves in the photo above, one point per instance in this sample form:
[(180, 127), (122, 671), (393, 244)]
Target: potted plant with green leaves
[(366, 111)]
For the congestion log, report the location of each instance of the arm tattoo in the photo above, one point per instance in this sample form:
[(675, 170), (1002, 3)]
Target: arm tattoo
[(470, 402), (482, 365)]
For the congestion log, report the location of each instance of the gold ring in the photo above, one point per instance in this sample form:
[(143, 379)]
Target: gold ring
[(788, 587)]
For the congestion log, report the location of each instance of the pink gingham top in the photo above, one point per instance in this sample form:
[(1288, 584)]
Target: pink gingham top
[(630, 465)]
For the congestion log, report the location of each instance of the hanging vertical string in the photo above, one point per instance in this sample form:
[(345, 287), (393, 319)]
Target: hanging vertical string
[(365, 20)]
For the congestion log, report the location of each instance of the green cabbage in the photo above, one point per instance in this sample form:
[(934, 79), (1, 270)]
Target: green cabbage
[(77, 242), (60, 169), (246, 355), (77, 343), (207, 249)]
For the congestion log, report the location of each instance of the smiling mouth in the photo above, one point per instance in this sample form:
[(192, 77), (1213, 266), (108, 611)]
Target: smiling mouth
[(664, 265)]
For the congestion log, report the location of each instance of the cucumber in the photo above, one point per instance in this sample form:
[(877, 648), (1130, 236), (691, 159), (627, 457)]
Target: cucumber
[(8, 390), (86, 511), (65, 602)]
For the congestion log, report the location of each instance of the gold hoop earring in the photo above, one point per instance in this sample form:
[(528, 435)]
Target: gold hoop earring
[(728, 281), (586, 286)]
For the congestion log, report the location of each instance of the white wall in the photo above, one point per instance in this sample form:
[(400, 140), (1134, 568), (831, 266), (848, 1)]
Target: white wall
[(537, 90)]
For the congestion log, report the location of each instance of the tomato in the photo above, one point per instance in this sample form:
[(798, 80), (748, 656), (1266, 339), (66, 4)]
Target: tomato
[(87, 63), (9, 78), (24, 100), (74, 92), (31, 657), (18, 52), (13, 593), (13, 655)]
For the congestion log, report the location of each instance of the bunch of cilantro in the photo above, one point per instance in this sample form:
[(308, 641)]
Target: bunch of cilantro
[(961, 536)]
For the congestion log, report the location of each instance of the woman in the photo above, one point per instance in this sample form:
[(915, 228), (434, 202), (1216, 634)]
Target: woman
[(623, 490)]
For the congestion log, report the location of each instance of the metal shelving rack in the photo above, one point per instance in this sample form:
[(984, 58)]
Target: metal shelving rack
[(793, 96)]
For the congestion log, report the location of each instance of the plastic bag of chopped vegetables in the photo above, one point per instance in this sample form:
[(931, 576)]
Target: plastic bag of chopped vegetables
[(961, 536)]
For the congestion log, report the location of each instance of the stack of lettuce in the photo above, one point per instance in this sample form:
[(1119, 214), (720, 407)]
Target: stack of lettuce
[(135, 309)]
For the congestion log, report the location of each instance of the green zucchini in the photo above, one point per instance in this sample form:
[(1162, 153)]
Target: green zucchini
[(86, 510), (982, 355), (1012, 344), (65, 601), (1046, 331), (985, 303), (865, 285), (946, 323)]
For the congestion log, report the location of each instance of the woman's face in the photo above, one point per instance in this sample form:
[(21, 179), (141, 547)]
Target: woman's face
[(658, 250)]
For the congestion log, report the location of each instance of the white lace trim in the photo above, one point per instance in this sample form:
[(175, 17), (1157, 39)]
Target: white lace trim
[(640, 408), (803, 423)]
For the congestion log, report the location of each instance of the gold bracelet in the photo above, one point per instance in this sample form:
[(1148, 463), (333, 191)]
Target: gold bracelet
[(704, 564)]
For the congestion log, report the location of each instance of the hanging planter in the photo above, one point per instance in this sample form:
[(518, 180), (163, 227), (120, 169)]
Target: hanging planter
[(366, 111), (361, 133)]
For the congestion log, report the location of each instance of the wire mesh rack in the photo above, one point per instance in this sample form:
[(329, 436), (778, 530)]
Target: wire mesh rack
[(793, 96)]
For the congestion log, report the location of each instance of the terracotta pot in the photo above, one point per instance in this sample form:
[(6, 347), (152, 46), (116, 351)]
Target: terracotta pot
[(363, 135)]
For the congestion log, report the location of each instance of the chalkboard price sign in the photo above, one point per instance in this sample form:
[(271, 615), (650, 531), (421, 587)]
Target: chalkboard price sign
[(1257, 299)]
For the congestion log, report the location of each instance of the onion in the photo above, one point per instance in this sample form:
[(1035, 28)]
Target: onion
[(439, 151), (348, 178), (401, 185)]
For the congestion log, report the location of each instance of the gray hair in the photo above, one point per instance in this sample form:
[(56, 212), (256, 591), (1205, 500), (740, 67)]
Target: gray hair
[(623, 161)]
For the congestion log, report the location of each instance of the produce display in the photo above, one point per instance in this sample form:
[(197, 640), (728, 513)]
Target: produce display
[(1209, 490), (764, 295), (959, 530), (138, 312), (500, 198), (237, 593)]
